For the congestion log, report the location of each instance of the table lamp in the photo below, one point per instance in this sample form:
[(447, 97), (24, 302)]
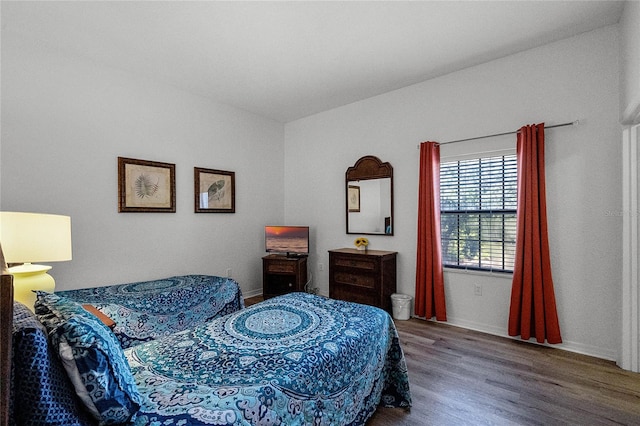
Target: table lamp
[(3, 264), (33, 237)]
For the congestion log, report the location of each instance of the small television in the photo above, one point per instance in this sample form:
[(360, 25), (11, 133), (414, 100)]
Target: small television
[(290, 240)]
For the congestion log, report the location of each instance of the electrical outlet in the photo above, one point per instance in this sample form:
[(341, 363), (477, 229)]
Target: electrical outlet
[(229, 272), (320, 266), (477, 289)]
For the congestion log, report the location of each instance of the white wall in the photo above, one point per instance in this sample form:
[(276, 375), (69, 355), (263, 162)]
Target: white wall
[(572, 79), (64, 123), (630, 63), (66, 120)]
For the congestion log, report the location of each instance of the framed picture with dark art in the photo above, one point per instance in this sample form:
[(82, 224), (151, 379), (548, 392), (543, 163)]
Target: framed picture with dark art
[(353, 198), (215, 191), (146, 186)]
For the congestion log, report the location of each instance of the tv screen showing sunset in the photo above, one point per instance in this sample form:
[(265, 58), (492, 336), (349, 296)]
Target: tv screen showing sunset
[(287, 239)]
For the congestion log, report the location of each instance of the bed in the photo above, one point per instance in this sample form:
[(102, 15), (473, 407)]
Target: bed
[(147, 310), (297, 359)]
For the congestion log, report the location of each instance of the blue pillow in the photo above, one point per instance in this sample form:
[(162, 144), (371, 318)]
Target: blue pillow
[(92, 357), (41, 393)]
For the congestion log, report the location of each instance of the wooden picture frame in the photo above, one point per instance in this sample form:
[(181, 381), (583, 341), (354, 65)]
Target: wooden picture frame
[(214, 191), (146, 186), (353, 199)]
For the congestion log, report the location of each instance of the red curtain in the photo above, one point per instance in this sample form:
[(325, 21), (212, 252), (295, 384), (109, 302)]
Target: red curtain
[(430, 299), (533, 303)]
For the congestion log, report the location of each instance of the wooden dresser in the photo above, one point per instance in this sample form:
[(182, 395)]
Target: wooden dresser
[(363, 276)]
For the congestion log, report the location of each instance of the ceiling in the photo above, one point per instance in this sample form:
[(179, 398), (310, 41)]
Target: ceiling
[(288, 60)]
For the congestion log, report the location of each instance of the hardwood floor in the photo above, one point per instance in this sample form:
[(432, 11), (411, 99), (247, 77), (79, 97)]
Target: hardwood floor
[(463, 377)]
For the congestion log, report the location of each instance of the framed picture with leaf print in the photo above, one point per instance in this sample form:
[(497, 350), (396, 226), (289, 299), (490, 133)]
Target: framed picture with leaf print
[(146, 186), (214, 190)]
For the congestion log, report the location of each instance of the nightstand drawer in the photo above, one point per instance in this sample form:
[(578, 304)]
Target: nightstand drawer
[(281, 267), (282, 284)]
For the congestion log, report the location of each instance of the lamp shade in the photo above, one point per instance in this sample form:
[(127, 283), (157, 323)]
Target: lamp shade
[(35, 237)]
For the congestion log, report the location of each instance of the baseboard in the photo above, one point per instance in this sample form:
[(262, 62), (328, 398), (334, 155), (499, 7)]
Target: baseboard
[(594, 351), (252, 293)]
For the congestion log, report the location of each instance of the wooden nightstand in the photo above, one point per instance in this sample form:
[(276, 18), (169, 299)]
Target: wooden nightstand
[(281, 274)]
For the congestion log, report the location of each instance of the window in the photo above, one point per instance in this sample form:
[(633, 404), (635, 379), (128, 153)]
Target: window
[(478, 200)]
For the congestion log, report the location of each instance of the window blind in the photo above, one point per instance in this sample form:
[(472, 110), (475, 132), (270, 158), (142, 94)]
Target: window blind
[(478, 201)]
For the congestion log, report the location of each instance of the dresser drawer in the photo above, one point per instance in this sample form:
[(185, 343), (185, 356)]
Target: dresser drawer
[(355, 279), (353, 294), (362, 263), (280, 267)]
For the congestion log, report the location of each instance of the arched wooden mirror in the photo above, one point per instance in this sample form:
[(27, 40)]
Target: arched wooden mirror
[(369, 196)]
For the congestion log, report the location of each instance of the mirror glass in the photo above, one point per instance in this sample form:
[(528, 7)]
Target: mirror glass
[(369, 193)]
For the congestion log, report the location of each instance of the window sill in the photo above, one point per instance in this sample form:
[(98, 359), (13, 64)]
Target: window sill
[(506, 275)]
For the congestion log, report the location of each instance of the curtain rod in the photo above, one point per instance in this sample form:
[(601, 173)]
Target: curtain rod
[(571, 123)]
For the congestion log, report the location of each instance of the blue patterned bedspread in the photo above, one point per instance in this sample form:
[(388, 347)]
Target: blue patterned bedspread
[(149, 310), (296, 359)]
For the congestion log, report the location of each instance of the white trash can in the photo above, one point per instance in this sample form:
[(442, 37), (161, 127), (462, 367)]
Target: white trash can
[(401, 306)]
